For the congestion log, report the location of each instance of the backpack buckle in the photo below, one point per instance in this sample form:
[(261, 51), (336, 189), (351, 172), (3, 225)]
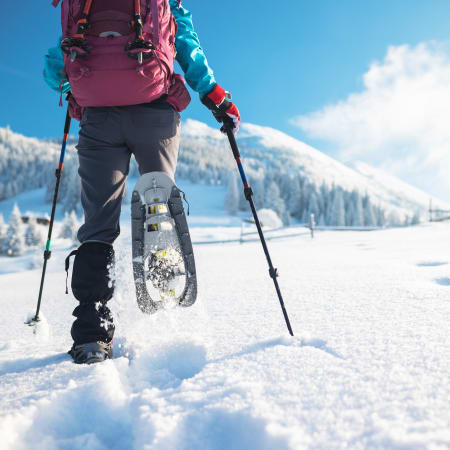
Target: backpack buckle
[(139, 49), (75, 47)]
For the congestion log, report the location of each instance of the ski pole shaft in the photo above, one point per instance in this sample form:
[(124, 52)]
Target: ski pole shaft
[(58, 174), (249, 197)]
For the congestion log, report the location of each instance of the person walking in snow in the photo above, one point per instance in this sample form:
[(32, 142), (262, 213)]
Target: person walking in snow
[(116, 59)]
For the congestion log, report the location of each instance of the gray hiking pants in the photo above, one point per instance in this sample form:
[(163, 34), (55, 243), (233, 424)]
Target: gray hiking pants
[(108, 138)]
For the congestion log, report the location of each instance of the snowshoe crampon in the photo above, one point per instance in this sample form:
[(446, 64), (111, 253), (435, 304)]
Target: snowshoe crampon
[(163, 259)]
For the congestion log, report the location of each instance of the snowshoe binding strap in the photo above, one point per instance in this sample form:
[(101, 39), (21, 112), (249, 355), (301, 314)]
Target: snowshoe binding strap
[(185, 200), (76, 46), (139, 48), (92, 352), (189, 295), (67, 265)]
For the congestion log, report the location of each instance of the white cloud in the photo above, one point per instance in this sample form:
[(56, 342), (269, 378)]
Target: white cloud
[(401, 119)]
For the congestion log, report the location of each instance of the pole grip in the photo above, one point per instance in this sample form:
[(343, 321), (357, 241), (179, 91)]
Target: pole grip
[(68, 119), (228, 126)]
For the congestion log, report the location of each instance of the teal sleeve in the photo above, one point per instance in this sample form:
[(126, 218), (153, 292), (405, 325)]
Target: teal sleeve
[(190, 54), (53, 70)]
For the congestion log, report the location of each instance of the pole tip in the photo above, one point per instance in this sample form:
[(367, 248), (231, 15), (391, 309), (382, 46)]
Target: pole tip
[(33, 321)]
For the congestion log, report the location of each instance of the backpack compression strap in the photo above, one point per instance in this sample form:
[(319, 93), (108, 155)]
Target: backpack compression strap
[(83, 20), (139, 48)]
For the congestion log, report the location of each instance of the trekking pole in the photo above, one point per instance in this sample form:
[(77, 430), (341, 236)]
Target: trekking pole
[(248, 192), (47, 252)]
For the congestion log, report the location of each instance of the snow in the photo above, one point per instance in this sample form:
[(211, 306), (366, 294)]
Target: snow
[(269, 218), (369, 366), (199, 130)]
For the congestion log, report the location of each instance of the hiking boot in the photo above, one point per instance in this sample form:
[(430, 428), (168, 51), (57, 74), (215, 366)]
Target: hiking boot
[(92, 352)]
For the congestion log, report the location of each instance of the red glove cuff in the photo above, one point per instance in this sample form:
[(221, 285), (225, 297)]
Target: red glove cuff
[(217, 95), (217, 102)]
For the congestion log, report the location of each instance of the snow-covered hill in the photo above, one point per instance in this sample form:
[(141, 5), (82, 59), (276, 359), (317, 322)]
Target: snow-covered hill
[(289, 176), (25, 163), (266, 147)]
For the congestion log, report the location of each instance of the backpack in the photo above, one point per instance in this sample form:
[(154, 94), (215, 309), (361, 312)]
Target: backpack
[(121, 52)]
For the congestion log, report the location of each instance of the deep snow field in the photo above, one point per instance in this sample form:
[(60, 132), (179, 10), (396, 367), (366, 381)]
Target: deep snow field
[(369, 366)]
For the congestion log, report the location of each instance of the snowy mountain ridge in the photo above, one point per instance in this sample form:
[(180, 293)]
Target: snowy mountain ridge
[(319, 168)]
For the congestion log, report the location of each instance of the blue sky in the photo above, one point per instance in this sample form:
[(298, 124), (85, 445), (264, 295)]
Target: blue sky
[(280, 60)]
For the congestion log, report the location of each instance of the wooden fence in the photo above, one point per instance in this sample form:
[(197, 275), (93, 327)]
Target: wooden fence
[(271, 234)]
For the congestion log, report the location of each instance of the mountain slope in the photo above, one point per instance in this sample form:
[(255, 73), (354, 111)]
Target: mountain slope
[(264, 146)]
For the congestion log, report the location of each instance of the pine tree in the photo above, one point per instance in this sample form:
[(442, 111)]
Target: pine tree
[(313, 204), (393, 219), (381, 217), (321, 221), (273, 200), (70, 226), (295, 197), (337, 211), (329, 206), (325, 200), (34, 235), (14, 242), (304, 210), (72, 196), (369, 214), (286, 219), (416, 218), (3, 229), (286, 186), (359, 212), (305, 217), (232, 197), (350, 214), (258, 191), (358, 216)]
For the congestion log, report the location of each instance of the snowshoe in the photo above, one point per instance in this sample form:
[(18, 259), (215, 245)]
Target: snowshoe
[(92, 352), (163, 258)]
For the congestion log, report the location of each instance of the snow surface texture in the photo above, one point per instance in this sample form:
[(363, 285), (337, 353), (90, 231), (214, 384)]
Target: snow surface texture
[(369, 366)]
